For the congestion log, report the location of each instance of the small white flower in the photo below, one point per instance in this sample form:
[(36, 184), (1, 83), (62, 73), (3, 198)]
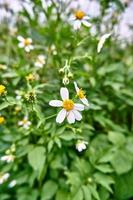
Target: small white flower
[(4, 177), (80, 18), (25, 43), (25, 123), (12, 183), (40, 61), (81, 145), (70, 110), (81, 94), (18, 94), (102, 41), (8, 158)]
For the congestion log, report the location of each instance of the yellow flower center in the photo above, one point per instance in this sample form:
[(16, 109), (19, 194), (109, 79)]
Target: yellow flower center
[(68, 104), (81, 94), (2, 120), (79, 14), (30, 77), (27, 42), (24, 121), (2, 89)]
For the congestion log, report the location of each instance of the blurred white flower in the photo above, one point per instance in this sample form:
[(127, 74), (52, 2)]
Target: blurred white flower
[(81, 94), (40, 61), (25, 43), (8, 158), (25, 123), (80, 18), (70, 110), (81, 145), (8, 8), (18, 94), (12, 183), (102, 41), (4, 177)]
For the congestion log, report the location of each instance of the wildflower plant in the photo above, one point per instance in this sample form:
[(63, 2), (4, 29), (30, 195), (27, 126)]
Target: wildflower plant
[(65, 102)]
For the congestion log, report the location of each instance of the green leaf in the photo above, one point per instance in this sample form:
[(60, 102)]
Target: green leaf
[(116, 138), (37, 158), (87, 193), (49, 189), (78, 195), (105, 168), (67, 136), (62, 195), (94, 192), (104, 180), (124, 186), (122, 161)]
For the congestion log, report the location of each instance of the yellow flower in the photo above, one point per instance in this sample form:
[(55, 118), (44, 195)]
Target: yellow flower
[(2, 90), (30, 77), (2, 120)]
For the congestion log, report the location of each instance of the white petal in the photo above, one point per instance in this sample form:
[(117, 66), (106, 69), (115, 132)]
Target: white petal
[(85, 101), (77, 24), (102, 41), (31, 47), (77, 115), (26, 126), (28, 123), (78, 106), (86, 18), (64, 93), (86, 23), (20, 123), (55, 103), (76, 86), (72, 18), (30, 40), (71, 117), (39, 65), (20, 38), (27, 49), (61, 116), (21, 45)]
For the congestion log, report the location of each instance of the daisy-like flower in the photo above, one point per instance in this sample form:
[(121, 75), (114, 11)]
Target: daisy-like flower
[(25, 43), (81, 94), (70, 110), (25, 123), (8, 158), (80, 18), (40, 61), (4, 177), (81, 145)]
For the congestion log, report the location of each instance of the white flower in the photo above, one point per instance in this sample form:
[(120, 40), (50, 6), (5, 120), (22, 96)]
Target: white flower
[(25, 43), (12, 183), (102, 41), (81, 145), (81, 94), (25, 123), (40, 61), (4, 177), (70, 110), (8, 158), (18, 94), (80, 18)]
